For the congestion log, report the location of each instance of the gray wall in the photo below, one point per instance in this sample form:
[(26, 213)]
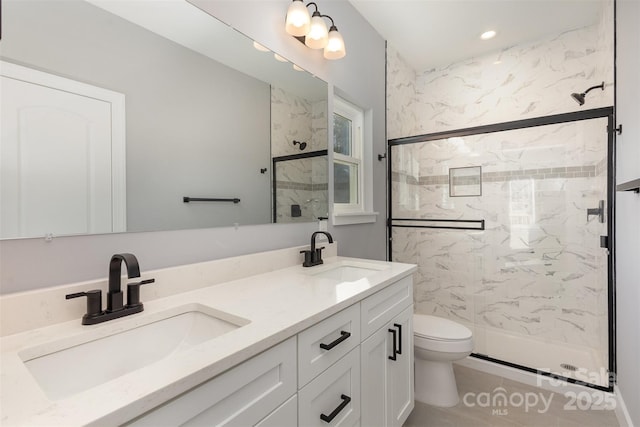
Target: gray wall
[(628, 205), (186, 115), (34, 263)]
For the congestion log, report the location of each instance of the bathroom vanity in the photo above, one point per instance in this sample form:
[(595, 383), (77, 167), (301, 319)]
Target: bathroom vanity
[(325, 345)]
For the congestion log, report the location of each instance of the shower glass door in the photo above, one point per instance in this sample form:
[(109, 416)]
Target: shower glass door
[(506, 228)]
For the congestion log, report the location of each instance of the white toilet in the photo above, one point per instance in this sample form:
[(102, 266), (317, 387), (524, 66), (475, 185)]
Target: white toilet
[(437, 343)]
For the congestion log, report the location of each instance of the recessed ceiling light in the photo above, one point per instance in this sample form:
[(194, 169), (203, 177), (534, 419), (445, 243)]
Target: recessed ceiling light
[(488, 35)]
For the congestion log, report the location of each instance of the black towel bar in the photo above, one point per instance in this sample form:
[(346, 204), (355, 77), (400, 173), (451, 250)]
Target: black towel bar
[(187, 199)]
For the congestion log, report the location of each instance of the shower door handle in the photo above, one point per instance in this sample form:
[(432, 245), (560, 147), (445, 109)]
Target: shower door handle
[(599, 211)]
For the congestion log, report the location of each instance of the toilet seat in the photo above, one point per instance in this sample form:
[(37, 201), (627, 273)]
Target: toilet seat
[(439, 328), (441, 335)]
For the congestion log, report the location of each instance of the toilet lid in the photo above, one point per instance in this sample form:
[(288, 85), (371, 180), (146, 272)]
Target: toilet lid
[(439, 328)]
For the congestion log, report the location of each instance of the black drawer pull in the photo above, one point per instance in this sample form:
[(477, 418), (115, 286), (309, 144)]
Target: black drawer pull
[(399, 326), (328, 418), (343, 336), (393, 332)]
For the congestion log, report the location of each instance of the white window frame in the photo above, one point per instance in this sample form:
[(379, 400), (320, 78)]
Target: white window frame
[(361, 212), (356, 116)]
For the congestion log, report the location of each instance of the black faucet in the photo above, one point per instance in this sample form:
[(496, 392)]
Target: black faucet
[(115, 297), (314, 255)]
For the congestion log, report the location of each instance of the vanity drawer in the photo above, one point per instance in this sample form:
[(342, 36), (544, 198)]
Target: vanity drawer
[(323, 344), (381, 307), (241, 396), (334, 394)]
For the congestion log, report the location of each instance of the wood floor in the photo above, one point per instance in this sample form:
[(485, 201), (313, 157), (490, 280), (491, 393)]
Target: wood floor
[(482, 406)]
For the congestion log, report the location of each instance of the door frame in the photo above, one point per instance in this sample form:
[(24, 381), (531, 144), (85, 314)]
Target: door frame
[(604, 112), (118, 130)]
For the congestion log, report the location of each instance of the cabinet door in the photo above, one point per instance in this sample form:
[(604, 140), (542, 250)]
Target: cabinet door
[(333, 397), (400, 381), (375, 352), (387, 385)]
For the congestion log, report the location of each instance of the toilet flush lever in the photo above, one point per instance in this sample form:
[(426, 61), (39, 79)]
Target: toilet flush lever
[(599, 211)]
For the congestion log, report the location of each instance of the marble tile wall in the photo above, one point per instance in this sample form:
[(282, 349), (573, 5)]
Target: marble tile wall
[(537, 268), (291, 118), (523, 81), (301, 182)]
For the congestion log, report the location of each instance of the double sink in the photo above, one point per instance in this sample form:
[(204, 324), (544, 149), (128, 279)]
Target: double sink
[(73, 365)]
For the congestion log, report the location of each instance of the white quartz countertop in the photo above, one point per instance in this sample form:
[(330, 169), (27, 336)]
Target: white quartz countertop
[(278, 304)]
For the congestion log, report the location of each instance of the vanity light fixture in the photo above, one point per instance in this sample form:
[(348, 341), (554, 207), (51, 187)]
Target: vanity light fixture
[(312, 30)]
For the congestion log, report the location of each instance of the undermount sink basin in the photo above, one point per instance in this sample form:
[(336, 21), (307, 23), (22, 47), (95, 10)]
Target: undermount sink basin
[(348, 272), (76, 367)]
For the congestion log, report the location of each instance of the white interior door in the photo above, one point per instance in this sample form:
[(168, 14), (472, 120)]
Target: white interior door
[(62, 160)]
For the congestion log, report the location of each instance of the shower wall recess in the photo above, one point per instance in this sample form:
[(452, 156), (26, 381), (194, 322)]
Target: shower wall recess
[(533, 282)]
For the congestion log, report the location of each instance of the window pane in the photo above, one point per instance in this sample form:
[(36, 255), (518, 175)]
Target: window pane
[(341, 135), (345, 183)]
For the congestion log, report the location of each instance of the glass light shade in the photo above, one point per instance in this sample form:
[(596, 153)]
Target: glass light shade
[(298, 21), (335, 48), (318, 34)]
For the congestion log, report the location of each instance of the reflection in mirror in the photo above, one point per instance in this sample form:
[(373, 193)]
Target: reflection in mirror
[(113, 112), (300, 187)]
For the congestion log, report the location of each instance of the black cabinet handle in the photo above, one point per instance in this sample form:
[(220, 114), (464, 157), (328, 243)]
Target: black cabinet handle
[(399, 326), (393, 332), (343, 336), (328, 418)]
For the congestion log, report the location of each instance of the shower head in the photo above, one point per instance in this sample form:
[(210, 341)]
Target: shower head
[(303, 145), (579, 97)]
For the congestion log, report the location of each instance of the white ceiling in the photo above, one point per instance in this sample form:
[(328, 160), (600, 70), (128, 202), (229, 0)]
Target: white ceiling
[(435, 33)]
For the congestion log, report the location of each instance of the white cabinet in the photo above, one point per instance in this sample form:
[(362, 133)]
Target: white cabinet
[(286, 415), (380, 307), (326, 342), (400, 399), (337, 366), (332, 398), (242, 396), (387, 359)]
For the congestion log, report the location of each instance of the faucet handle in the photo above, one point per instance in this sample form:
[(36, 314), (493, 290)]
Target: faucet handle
[(133, 292), (318, 256), (94, 303), (308, 258)]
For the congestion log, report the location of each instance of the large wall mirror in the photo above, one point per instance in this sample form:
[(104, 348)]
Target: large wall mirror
[(114, 112)]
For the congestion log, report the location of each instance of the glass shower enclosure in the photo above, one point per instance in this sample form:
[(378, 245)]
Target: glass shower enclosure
[(510, 227)]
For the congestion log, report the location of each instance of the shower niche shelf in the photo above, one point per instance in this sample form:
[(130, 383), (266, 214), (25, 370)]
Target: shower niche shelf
[(633, 185)]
